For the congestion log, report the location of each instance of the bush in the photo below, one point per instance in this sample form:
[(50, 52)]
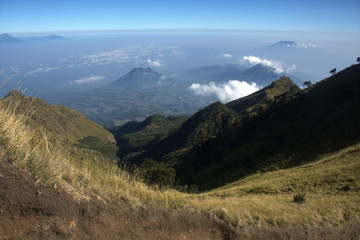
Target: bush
[(155, 173), (299, 198), (163, 176)]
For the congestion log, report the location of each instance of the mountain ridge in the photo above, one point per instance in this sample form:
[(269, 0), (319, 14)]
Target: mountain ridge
[(261, 97), (280, 136)]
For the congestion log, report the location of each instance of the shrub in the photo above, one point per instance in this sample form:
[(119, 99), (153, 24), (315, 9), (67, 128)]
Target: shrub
[(163, 176), (155, 173), (299, 198)]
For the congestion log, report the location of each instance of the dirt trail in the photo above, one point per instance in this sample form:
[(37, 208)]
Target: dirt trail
[(30, 211)]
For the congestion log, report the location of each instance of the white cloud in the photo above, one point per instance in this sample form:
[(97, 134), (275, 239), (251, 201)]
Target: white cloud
[(41, 69), (225, 92), (71, 65), (153, 63), (291, 68), (278, 66), (89, 79), (102, 58), (227, 55), (307, 45), (15, 69)]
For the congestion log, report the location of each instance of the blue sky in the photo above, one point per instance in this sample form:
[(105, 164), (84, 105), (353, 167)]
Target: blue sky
[(76, 15)]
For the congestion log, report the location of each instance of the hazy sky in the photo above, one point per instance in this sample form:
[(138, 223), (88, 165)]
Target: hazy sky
[(65, 15)]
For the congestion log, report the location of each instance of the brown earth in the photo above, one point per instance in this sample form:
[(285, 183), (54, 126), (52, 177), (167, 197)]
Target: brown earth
[(31, 211)]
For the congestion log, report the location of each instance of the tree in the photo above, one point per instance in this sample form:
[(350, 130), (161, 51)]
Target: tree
[(156, 173), (333, 71), (307, 83), (358, 59)]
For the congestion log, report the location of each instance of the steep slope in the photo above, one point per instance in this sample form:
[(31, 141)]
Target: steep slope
[(261, 98), (32, 211), (135, 137), (211, 122), (321, 119), (205, 124), (62, 123)]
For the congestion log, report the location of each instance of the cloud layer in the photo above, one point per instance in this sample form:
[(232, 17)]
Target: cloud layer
[(89, 79), (41, 69), (278, 66), (225, 92)]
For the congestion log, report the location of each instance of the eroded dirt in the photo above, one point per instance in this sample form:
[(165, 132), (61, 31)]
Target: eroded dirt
[(31, 211)]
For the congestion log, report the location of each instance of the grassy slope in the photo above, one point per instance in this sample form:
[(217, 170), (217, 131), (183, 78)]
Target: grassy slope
[(62, 123), (332, 183)]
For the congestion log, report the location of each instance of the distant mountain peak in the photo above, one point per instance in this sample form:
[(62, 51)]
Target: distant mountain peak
[(5, 37), (141, 70), (139, 78), (262, 67), (285, 44), (55, 37)]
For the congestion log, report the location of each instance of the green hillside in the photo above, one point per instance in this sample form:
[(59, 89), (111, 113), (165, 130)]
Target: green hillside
[(293, 130), (135, 137), (62, 123)]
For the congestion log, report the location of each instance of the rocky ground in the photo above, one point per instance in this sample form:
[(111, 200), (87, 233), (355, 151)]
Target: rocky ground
[(31, 211)]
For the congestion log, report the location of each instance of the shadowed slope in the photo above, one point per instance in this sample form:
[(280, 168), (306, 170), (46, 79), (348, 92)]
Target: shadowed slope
[(295, 129)]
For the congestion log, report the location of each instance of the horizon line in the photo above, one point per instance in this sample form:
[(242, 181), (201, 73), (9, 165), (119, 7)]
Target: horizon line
[(124, 30)]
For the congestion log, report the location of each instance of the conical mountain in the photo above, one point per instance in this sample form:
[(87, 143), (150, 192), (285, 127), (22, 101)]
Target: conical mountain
[(5, 37), (140, 78), (260, 74)]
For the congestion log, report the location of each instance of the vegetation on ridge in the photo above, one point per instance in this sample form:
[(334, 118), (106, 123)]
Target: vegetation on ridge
[(62, 123)]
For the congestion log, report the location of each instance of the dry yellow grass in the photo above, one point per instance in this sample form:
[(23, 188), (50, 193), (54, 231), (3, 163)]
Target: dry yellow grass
[(331, 184)]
